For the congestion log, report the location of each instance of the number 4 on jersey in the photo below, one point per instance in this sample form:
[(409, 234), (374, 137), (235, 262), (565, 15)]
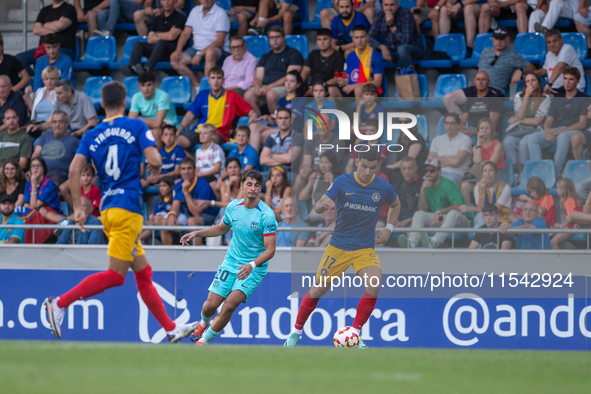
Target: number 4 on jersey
[(112, 163)]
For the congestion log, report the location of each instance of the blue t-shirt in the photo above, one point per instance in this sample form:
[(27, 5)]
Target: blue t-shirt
[(47, 192), (6, 233), (352, 65), (63, 64), (171, 158), (115, 147), (532, 241), (290, 238), (58, 153), (162, 206), (249, 156), (358, 210), (199, 191), (249, 227), (344, 33), (365, 115)]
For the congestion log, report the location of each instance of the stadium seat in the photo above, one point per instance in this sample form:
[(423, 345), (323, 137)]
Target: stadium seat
[(408, 3), (422, 127), (452, 44), (314, 24), (299, 42), (225, 4), (92, 87), (178, 88), (531, 46), (204, 84), (507, 175), (578, 41), (587, 85), (423, 88), (543, 169), (132, 88), (482, 41), (445, 83), (127, 51), (577, 170), (302, 210), (257, 45), (99, 52)]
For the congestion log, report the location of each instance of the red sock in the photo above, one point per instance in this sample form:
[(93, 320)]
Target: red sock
[(364, 309), (152, 299), (306, 308), (91, 285)]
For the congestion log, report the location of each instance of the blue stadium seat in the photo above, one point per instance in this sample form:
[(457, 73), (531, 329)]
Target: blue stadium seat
[(225, 4), (587, 85), (482, 41), (92, 87), (578, 41), (508, 175), (127, 52), (543, 169), (132, 88), (531, 46), (423, 87), (99, 52), (445, 83), (408, 3), (422, 127), (299, 42), (577, 170), (204, 84), (452, 44), (314, 24), (178, 88), (257, 45), (65, 208)]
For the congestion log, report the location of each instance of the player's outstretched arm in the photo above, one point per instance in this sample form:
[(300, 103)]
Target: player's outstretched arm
[(323, 204), (246, 269), (153, 159), (213, 231), (76, 166)]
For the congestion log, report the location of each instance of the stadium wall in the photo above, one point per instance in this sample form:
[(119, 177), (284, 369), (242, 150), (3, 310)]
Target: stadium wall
[(456, 317)]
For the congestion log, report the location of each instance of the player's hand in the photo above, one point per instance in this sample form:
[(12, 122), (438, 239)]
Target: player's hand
[(244, 271), (185, 239), (80, 218), (327, 203), (383, 236)]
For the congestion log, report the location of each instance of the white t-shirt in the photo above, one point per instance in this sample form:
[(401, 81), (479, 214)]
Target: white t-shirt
[(206, 159), (206, 27), (504, 199), (444, 147), (568, 55)]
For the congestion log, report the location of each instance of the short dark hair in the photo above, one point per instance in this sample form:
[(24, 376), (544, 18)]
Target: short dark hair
[(10, 109), (552, 32), (252, 173), (276, 29), (188, 160), (170, 127), (238, 38), (217, 70), (65, 84), (51, 39), (324, 32), (232, 160), (88, 168), (146, 76), (369, 88), (408, 159), (321, 83), (284, 109), (113, 94), (572, 71), (453, 115), (369, 155), (360, 28), (490, 208), (246, 129)]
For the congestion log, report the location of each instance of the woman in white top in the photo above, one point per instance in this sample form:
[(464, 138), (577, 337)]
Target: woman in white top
[(531, 107), (41, 102)]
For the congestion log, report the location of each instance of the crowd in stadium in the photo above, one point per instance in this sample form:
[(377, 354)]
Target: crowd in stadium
[(242, 116)]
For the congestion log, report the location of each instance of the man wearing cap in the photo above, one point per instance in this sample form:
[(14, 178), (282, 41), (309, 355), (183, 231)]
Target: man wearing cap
[(7, 216), (439, 200)]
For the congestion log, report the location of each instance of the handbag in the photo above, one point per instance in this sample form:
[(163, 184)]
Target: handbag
[(407, 84)]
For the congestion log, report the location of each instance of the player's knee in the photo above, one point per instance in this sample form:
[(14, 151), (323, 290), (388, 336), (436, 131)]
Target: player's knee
[(138, 16)]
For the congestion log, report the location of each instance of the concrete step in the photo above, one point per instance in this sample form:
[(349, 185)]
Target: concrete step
[(15, 27), (16, 14), (13, 42)]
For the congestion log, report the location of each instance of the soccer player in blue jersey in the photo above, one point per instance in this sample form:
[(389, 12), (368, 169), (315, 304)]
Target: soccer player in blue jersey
[(115, 148), (359, 197), (245, 265)]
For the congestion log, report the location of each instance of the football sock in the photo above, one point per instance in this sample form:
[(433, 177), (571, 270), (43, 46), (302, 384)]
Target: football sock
[(151, 298), (299, 332), (204, 320), (91, 285), (209, 335), (306, 308), (364, 309)]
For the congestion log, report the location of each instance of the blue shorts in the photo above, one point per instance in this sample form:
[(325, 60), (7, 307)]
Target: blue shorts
[(225, 281)]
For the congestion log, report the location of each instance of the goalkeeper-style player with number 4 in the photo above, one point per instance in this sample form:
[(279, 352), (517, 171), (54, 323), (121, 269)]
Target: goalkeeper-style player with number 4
[(245, 264), (359, 197)]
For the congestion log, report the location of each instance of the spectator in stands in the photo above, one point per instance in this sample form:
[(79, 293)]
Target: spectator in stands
[(153, 106), (584, 187), (452, 149), (171, 153), (503, 10), (268, 85), (270, 11), (370, 128), (487, 149), (365, 7), (58, 18), (276, 189), (415, 149), (150, 12), (408, 187), (217, 106), (13, 181), (209, 157), (582, 22), (342, 26), (323, 63), (559, 57), (277, 149), (567, 117), (12, 67), (239, 68), (162, 206), (53, 58), (540, 195), (320, 102), (14, 141), (246, 154), (490, 216), (162, 38), (530, 221), (398, 29), (290, 209), (474, 103), (11, 99), (89, 14), (194, 202), (7, 216), (319, 181), (40, 104), (368, 107), (541, 22), (57, 147), (229, 183), (242, 12), (531, 107), (439, 200), (118, 11), (322, 238), (428, 9), (88, 237), (570, 202), (365, 65), (89, 189), (466, 10), (210, 27)]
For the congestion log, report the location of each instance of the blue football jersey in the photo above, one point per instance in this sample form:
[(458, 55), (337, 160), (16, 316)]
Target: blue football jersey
[(171, 158), (358, 210), (115, 147)]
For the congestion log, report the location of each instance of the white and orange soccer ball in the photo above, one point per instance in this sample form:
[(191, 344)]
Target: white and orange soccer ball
[(346, 337)]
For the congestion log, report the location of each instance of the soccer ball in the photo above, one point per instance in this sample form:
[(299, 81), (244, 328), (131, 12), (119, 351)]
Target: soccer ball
[(346, 337)]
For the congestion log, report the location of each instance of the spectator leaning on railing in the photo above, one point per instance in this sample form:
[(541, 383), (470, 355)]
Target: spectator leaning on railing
[(88, 237), (530, 221), (490, 216)]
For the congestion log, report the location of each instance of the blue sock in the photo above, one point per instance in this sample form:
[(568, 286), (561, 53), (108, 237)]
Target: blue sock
[(205, 320), (210, 335)]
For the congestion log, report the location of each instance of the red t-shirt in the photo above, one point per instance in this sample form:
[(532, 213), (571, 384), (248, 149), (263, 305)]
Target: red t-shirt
[(551, 214), (571, 206), (487, 153), (95, 198)]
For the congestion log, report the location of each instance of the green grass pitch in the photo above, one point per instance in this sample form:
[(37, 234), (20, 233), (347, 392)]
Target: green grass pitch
[(84, 367)]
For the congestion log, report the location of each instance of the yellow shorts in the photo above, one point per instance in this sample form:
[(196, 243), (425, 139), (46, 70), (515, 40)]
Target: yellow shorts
[(123, 229), (336, 261)]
